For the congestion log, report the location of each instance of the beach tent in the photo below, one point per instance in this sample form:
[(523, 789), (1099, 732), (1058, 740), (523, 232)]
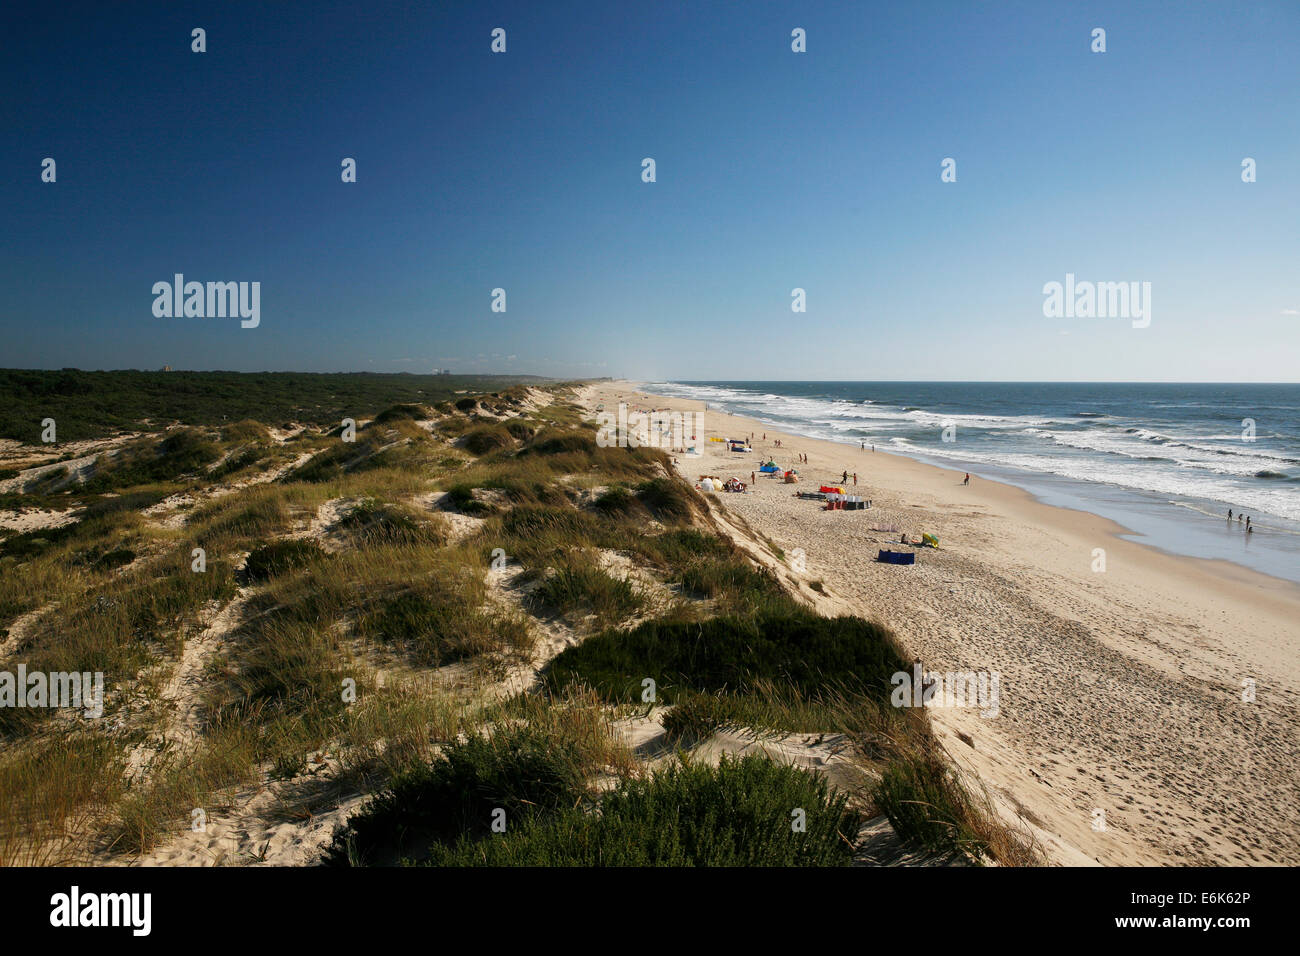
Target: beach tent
[(930, 540), (770, 468), (706, 484)]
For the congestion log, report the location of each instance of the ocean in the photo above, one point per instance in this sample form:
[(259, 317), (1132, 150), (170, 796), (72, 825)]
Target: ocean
[(1167, 461)]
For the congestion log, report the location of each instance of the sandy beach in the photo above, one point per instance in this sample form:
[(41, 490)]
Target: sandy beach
[(1122, 734)]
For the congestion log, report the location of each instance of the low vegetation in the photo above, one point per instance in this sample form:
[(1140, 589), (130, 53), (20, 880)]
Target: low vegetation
[(272, 605)]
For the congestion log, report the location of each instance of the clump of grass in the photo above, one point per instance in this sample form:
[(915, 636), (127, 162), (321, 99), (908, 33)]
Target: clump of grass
[(407, 411), (677, 546), (237, 461), (543, 530), (247, 430), (578, 585), (390, 444), (376, 521), (253, 515), (928, 806), (442, 622), (670, 500), (484, 439), (771, 707), (292, 666), (616, 502), (741, 813), (561, 442), (50, 792), (187, 451), (281, 557), (520, 430), (461, 497)]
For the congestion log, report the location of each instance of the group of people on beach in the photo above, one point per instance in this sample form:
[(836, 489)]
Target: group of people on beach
[(1249, 529)]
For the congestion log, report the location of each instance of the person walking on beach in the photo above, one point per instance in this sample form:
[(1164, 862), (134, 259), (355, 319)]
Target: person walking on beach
[(855, 479), (845, 479), (967, 481), (753, 478)]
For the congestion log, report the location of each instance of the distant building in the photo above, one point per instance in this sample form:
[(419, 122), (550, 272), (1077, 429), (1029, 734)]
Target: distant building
[(166, 368)]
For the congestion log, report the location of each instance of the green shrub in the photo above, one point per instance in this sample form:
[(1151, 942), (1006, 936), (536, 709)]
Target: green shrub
[(809, 654), (520, 770)]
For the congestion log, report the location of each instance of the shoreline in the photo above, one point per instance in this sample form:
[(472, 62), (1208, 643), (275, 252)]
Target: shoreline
[(1165, 521), (1122, 688), (1216, 567)]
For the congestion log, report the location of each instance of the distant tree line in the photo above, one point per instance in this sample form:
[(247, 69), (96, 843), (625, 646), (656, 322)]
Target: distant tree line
[(97, 404)]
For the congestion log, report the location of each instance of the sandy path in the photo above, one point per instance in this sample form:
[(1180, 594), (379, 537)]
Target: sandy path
[(1121, 691)]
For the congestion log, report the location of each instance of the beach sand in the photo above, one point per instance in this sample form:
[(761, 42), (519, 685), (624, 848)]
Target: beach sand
[(1122, 735)]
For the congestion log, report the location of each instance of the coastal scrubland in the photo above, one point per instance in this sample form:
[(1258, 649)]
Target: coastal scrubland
[(464, 634)]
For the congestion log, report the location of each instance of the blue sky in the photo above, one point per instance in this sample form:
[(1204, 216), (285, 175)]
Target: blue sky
[(775, 170)]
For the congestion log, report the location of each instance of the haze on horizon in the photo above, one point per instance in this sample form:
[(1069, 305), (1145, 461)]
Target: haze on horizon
[(775, 170)]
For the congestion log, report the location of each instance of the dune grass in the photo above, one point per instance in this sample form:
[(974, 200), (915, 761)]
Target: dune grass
[(535, 760), (51, 792), (578, 585), (745, 812)]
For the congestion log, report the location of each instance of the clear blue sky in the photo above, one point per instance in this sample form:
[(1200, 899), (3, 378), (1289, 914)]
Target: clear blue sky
[(775, 170)]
